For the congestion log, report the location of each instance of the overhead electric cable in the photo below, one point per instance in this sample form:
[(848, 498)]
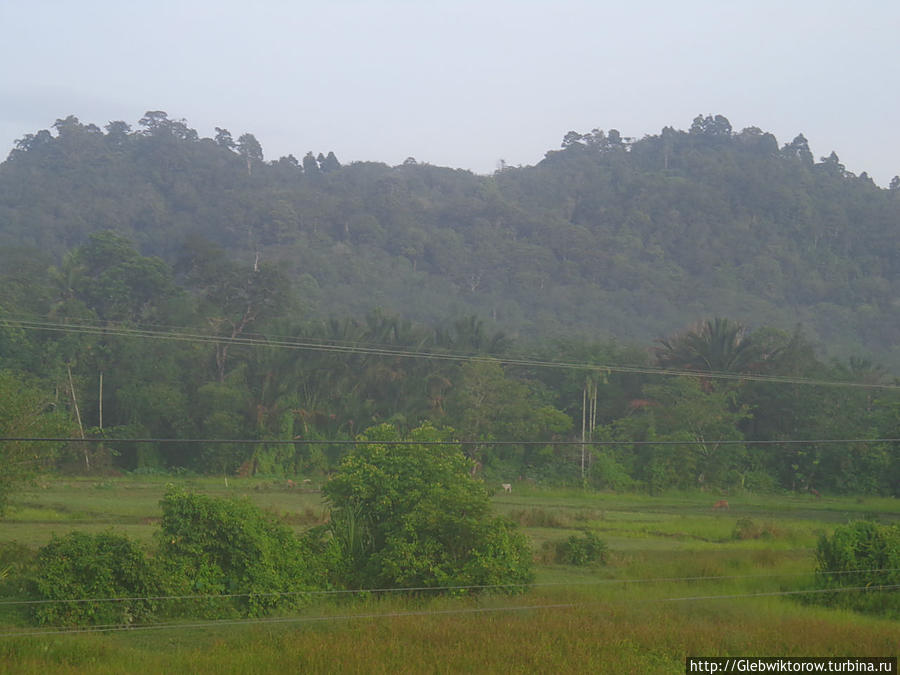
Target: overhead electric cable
[(279, 620), (306, 441), (474, 587), (436, 355), (844, 589), (423, 613)]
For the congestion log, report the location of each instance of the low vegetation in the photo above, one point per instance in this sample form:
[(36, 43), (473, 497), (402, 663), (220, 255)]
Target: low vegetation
[(582, 550), (862, 555), (647, 599), (401, 516), (79, 566)]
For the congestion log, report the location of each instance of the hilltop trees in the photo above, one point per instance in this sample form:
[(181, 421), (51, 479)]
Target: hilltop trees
[(610, 234), (250, 149)]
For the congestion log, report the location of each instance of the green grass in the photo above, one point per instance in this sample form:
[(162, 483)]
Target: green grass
[(644, 611), (598, 634), (130, 505)]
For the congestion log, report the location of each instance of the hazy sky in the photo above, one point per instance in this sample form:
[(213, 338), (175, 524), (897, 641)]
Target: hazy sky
[(460, 83)]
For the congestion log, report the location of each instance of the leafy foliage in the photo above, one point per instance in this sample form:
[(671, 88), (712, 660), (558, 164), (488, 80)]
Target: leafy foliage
[(82, 566), (861, 554), (26, 411), (156, 227), (717, 345), (235, 559), (689, 424), (582, 550), (607, 235), (411, 516), (214, 546)]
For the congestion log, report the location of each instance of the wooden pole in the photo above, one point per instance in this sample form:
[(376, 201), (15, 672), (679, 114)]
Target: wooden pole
[(584, 400)]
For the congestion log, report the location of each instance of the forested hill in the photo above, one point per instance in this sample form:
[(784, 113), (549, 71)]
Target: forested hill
[(605, 237)]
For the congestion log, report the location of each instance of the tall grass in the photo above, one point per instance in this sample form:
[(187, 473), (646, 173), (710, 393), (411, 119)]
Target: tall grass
[(635, 634), (641, 612)]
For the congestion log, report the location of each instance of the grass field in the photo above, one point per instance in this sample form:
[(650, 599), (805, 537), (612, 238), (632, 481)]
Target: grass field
[(654, 603)]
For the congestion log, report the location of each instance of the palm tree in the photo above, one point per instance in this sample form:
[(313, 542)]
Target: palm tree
[(714, 345)]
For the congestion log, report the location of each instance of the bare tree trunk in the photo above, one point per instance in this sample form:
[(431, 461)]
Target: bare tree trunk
[(100, 400), (87, 461), (236, 330)]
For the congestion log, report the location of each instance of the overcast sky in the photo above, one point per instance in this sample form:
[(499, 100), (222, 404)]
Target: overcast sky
[(459, 83)]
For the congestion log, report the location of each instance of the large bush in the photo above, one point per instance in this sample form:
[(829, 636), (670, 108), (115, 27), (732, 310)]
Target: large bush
[(80, 566), (861, 554), (222, 547), (411, 515)]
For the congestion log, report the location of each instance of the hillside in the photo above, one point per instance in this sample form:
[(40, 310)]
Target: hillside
[(606, 237)]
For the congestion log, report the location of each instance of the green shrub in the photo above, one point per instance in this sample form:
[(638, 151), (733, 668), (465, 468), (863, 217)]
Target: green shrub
[(222, 547), (609, 474), (538, 517), (584, 550), (411, 516), (746, 528), (79, 566), (860, 554), (16, 566)]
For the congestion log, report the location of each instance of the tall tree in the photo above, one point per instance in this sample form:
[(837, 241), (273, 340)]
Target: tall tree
[(310, 165), (224, 139), (233, 297), (328, 163), (250, 149)]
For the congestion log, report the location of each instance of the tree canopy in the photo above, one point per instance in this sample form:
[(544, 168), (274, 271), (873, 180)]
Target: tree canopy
[(629, 238), (156, 284)]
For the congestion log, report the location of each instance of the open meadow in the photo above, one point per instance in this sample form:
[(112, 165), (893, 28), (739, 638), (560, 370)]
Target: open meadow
[(680, 579)]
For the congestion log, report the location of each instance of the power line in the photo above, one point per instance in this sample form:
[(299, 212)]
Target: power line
[(262, 337), (845, 589), (474, 587), (282, 620), (301, 441), (106, 628), (360, 348)]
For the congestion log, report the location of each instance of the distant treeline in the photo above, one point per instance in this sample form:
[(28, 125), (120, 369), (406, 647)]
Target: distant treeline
[(123, 346), (583, 259)]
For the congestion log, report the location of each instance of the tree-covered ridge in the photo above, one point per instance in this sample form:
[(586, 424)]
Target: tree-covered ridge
[(611, 236)]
